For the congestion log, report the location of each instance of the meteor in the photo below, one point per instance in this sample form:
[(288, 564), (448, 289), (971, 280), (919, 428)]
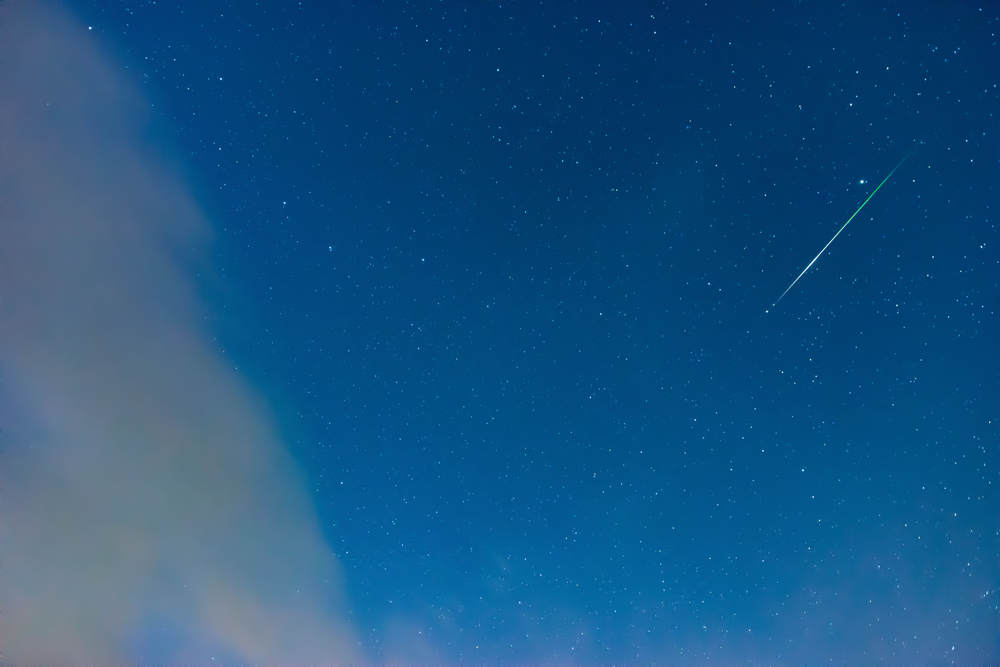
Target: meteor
[(905, 157)]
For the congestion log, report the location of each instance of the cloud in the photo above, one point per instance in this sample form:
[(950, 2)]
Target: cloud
[(148, 510)]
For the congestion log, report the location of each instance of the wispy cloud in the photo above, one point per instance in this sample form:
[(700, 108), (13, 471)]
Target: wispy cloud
[(150, 512)]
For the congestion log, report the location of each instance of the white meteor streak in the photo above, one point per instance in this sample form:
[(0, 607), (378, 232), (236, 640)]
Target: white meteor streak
[(845, 225)]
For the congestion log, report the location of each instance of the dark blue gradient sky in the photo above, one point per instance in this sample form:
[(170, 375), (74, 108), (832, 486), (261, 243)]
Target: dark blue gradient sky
[(505, 271)]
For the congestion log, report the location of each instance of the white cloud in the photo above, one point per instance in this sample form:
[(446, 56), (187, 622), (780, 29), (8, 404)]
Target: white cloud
[(150, 511)]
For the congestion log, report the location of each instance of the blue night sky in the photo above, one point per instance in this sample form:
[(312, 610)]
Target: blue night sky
[(505, 274)]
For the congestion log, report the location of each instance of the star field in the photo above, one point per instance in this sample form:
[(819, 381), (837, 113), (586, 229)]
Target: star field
[(507, 272)]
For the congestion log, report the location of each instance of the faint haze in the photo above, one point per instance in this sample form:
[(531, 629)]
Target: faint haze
[(150, 512)]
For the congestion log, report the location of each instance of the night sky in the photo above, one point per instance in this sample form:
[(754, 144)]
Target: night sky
[(504, 273)]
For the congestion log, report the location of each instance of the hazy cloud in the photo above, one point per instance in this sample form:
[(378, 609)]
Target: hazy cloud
[(149, 510)]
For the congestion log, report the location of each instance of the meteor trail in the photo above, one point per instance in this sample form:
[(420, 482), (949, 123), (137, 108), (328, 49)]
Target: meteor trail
[(845, 225)]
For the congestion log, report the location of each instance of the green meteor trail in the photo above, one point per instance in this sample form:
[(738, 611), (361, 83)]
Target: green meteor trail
[(845, 225)]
